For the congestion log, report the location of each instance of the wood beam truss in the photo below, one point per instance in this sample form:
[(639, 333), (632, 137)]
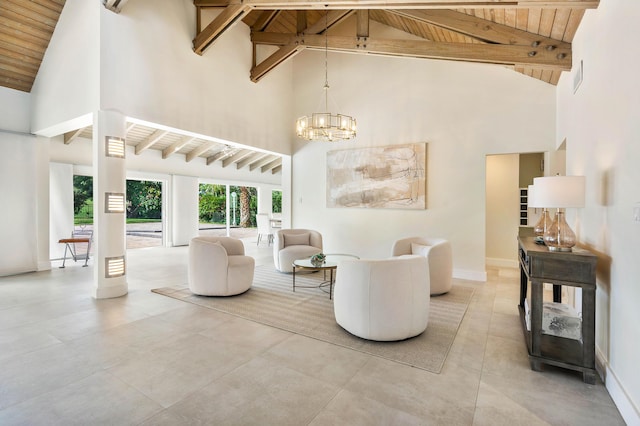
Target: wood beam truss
[(401, 4), (556, 58)]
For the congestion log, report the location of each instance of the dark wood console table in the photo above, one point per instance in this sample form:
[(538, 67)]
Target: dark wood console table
[(577, 269)]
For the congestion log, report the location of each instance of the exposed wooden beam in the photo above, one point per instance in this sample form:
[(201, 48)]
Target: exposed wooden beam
[(196, 152), (276, 169), (362, 23), (176, 146), (404, 4), (225, 20), (70, 136), (270, 165), (301, 21), (220, 155), (273, 61), (237, 156), (250, 159), (285, 52), (559, 58), (482, 29), (150, 141), (211, 3), (262, 162)]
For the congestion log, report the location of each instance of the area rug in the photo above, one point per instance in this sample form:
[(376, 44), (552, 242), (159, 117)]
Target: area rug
[(309, 312)]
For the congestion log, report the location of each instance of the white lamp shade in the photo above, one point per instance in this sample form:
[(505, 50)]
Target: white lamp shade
[(559, 191)]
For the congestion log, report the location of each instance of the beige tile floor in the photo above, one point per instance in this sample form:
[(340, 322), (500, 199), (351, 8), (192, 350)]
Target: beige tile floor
[(147, 359)]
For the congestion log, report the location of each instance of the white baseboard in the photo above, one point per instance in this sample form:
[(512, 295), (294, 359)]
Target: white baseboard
[(501, 263), (44, 265), (470, 275), (628, 410)]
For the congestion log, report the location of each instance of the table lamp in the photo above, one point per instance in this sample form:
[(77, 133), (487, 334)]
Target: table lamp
[(545, 220), (559, 192)]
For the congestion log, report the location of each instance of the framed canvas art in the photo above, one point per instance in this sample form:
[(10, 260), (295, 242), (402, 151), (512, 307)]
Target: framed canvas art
[(387, 177)]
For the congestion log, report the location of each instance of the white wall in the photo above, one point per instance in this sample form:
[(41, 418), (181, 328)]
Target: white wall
[(601, 127), (14, 110), (150, 72), (464, 112), (503, 201), (184, 208), (68, 81), (18, 217), (61, 206)]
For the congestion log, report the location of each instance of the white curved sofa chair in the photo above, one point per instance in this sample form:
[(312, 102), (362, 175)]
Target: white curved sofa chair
[(385, 299), (219, 267), (439, 254), (292, 244)]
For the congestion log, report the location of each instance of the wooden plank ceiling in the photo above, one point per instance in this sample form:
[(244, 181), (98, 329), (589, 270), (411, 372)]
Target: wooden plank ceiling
[(26, 27)]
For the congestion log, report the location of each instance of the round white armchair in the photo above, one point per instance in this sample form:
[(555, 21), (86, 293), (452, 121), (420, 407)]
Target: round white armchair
[(219, 267), (385, 299), (293, 244), (439, 254)]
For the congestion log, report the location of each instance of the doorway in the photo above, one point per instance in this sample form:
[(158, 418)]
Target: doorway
[(507, 214)]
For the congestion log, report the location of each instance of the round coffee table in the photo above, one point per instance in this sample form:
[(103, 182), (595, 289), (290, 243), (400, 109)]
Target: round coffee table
[(330, 264)]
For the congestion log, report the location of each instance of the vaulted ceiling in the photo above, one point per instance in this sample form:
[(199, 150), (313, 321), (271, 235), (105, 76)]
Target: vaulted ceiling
[(531, 36)]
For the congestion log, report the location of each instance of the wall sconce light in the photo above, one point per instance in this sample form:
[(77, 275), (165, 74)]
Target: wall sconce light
[(115, 147), (114, 202), (544, 222), (559, 192), (114, 266)]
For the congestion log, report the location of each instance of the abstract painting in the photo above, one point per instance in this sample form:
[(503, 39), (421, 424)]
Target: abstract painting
[(387, 177)]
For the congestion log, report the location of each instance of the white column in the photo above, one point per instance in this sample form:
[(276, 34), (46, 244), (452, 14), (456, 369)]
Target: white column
[(265, 199), (109, 227), (184, 210)]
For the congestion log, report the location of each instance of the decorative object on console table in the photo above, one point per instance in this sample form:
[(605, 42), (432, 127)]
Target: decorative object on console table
[(559, 192), (576, 269), (544, 222)]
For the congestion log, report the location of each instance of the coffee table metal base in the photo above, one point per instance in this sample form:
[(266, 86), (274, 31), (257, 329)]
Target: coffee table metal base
[(323, 285), (329, 265)]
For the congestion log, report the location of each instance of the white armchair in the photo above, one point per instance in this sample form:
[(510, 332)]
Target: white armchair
[(439, 254), (292, 244), (219, 267), (384, 299)]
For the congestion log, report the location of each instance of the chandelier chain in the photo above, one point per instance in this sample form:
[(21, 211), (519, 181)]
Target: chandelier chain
[(326, 126)]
